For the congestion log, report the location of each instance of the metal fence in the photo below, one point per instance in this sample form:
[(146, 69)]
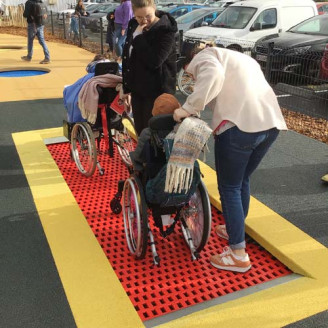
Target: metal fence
[(89, 33), (14, 17), (299, 75)]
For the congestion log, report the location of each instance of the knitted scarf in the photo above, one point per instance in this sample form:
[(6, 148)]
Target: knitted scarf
[(189, 139)]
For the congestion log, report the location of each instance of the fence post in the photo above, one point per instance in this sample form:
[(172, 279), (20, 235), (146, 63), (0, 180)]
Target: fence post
[(180, 40), (80, 31), (52, 23), (64, 25), (268, 66), (101, 36)]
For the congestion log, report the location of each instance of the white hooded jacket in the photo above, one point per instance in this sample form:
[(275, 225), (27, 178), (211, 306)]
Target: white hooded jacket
[(233, 86)]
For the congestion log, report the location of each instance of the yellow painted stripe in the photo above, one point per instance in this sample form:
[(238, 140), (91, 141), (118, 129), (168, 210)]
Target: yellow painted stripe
[(94, 292), (95, 295)]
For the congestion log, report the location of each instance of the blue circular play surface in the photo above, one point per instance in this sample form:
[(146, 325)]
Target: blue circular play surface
[(22, 73)]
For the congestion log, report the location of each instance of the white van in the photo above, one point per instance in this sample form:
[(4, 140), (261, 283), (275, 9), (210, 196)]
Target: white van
[(240, 25)]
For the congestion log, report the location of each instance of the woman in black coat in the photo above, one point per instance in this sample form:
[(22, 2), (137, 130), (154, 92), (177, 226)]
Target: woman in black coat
[(149, 59)]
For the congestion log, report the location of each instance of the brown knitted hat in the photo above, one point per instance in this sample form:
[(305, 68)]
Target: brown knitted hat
[(165, 104)]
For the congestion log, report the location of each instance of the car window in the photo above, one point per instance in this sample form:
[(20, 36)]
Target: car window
[(267, 19), (166, 8), (179, 12), (192, 16), (198, 23), (101, 8), (316, 25), (106, 9), (320, 9), (209, 18), (235, 17)]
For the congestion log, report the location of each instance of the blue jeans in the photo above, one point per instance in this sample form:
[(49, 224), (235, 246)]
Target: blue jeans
[(119, 39), (32, 31), (237, 155)]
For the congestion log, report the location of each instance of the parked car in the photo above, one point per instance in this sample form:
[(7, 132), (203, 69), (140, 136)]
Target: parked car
[(180, 10), (300, 52), (243, 23), (90, 2), (199, 17), (68, 12), (64, 13), (322, 7), (93, 20), (222, 3)]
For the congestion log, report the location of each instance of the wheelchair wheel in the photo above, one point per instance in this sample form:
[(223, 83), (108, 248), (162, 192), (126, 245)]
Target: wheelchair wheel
[(135, 217), (84, 149), (198, 218), (185, 83), (124, 141)]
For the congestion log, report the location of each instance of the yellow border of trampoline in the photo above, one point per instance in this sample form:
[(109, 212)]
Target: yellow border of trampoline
[(94, 292)]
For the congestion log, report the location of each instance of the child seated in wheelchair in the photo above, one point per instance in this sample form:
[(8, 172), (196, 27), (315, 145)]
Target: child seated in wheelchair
[(164, 104), (165, 182), (166, 157)]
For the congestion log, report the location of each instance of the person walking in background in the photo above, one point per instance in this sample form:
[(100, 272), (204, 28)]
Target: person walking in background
[(35, 13), (149, 59), (123, 14), (80, 9), (110, 31), (246, 121), (75, 25)]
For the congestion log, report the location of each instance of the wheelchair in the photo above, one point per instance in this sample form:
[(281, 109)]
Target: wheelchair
[(193, 214), (85, 138)]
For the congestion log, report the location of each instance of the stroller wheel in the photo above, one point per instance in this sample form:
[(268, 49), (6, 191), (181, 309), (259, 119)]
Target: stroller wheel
[(135, 217), (197, 218)]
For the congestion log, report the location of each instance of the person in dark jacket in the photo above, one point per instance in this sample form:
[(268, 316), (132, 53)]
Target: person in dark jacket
[(149, 59), (110, 31), (35, 14)]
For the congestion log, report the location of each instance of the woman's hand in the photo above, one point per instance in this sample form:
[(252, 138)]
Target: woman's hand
[(122, 32), (179, 114), (140, 28)]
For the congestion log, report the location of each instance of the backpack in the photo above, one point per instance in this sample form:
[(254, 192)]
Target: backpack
[(155, 187), (39, 13)]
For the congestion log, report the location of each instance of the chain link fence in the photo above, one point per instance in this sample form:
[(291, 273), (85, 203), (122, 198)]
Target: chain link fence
[(86, 32), (299, 75)]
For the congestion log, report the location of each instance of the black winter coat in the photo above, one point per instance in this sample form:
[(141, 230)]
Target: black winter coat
[(29, 11), (34, 12), (151, 68)]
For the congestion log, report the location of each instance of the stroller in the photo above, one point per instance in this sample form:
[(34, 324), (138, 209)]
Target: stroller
[(191, 210)]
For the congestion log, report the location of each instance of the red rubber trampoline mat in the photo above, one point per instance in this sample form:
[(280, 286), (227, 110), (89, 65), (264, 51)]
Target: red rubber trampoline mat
[(178, 282)]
